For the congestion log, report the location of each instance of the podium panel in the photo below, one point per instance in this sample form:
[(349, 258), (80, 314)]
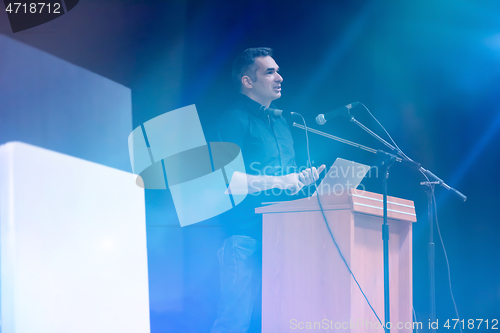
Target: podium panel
[(305, 282)]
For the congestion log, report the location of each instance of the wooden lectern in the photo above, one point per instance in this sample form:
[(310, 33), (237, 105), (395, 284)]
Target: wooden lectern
[(305, 283)]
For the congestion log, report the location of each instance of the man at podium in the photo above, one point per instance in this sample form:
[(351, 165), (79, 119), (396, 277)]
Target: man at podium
[(271, 175)]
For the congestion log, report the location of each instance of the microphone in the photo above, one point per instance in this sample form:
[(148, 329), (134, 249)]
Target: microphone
[(277, 112), (321, 119)]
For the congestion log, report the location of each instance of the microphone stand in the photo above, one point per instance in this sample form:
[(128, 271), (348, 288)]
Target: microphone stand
[(430, 249), (389, 160), (387, 163), (420, 168), (430, 212)]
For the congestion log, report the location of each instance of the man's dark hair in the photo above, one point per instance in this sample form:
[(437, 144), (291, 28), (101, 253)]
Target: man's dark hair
[(244, 64)]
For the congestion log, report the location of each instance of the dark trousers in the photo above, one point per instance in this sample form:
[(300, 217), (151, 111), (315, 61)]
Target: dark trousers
[(240, 260)]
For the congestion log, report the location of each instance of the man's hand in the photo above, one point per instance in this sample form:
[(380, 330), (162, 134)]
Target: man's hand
[(295, 181), (310, 175), (292, 183), (242, 183)]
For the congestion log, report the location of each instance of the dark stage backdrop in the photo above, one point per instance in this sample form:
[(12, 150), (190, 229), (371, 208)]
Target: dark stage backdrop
[(428, 70)]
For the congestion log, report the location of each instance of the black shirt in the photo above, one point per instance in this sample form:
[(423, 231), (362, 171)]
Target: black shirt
[(265, 141), (267, 149)]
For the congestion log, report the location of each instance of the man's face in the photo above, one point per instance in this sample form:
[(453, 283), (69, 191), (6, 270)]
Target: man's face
[(267, 86)]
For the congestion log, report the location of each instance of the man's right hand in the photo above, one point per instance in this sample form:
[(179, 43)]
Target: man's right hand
[(295, 181), (242, 183)]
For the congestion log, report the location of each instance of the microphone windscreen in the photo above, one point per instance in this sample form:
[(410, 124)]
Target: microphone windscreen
[(320, 119)]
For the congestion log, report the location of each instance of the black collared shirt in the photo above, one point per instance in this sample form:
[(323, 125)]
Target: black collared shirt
[(267, 148), (265, 141)]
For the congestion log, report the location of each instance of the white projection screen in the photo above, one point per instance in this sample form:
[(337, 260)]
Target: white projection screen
[(73, 245)]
